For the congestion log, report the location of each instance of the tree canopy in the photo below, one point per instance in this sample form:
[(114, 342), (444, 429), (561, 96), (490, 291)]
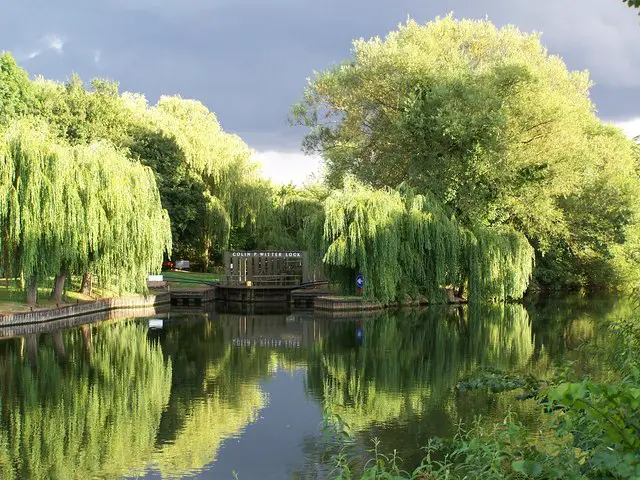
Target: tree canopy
[(406, 244), (490, 124), (88, 133), (456, 152), (15, 90), (77, 209), (206, 178)]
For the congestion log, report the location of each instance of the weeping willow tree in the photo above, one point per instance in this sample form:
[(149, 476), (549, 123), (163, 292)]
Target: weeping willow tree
[(406, 244), (30, 208), (129, 231), (71, 210), (94, 416), (208, 182)]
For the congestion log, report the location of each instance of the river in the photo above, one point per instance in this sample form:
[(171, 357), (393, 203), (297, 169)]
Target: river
[(210, 395)]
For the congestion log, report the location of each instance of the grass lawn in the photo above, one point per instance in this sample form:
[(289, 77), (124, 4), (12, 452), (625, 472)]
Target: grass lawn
[(190, 276), (12, 299)]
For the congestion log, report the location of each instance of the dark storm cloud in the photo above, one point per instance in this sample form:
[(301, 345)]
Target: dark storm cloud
[(248, 60)]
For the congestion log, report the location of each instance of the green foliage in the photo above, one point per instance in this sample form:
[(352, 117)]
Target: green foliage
[(78, 209), (632, 3), (601, 247), (16, 92), (294, 208), (405, 243), (590, 428), (79, 115), (207, 181), (496, 381), (495, 129), (94, 415)]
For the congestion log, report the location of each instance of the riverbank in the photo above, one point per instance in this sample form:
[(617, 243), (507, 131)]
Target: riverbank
[(43, 315), (189, 291), (352, 303), (12, 298)]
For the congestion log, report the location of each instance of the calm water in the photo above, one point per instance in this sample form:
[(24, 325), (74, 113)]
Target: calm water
[(211, 393)]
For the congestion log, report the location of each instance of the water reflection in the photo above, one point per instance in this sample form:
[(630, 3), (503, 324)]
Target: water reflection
[(214, 396), (69, 415), (402, 375), (119, 399)]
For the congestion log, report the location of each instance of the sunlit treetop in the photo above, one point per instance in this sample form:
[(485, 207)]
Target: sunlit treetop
[(632, 3)]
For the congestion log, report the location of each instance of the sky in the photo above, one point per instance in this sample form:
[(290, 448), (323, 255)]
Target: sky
[(249, 60)]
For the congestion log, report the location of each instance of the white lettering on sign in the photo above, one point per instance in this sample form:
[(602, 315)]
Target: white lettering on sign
[(265, 342)]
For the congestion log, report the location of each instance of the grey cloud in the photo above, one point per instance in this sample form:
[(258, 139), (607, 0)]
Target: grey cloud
[(248, 60)]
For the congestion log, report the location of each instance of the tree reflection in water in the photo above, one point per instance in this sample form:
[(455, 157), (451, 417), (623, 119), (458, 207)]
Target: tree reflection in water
[(119, 399), (69, 415), (403, 373)]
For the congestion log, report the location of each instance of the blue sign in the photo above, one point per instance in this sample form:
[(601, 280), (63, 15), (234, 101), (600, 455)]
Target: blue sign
[(360, 281), (359, 335)]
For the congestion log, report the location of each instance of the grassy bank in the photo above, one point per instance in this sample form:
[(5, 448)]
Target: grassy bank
[(12, 299), (188, 277)]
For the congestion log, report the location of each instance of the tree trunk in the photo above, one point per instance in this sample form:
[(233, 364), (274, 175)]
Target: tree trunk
[(32, 291), (32, 349), (58, 286), (58, 345), (87, 340), (206, 259), (7, 264), (87, 282)]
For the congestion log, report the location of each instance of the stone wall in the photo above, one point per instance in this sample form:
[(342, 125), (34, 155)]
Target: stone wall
[(83, 309), (70, 322), (344, 304)]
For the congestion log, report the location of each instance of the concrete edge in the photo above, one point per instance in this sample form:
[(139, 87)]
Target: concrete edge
[(98, 306)]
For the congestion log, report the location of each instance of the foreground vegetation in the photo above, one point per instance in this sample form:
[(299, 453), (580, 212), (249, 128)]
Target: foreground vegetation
[(588, 427)]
